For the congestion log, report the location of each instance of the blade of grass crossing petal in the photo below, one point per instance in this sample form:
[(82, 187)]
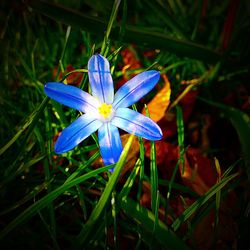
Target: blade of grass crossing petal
[(145, 220), (95, 216), (130, 181), (202, 200), (47, 199), (180, 131), (142, 155)]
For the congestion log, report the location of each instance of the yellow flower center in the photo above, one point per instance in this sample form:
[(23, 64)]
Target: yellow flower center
[(105, 110)]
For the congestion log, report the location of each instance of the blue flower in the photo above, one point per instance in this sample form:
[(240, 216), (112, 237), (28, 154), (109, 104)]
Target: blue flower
[(105, 111)]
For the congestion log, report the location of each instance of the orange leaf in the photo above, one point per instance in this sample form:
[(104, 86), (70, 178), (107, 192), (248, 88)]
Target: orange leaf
[(132, 156), (129, 58), (159, 104), (74, 78)]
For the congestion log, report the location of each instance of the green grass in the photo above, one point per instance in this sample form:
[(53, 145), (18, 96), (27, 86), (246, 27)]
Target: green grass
[(72, 201)]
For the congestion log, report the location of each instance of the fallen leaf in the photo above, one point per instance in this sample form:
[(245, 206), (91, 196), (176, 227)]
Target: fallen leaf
[(199, 173), (159, 104), (168, 121), (132, 156), (74, 78), (130, 62), (130, 59)]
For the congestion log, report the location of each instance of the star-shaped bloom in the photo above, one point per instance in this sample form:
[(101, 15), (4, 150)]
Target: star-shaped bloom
[(104, 111)]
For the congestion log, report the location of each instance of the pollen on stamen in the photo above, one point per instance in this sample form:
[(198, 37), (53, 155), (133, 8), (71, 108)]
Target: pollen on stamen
[(105, 110)]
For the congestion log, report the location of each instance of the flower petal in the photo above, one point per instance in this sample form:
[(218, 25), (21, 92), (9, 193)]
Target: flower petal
[(135, 123), (100, 79), (76, 132), (110, 143), (71, 96), (136, 88)]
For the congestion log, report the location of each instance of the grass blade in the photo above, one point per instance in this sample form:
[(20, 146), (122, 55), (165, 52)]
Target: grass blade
[(95, 216), (196, 205), (132, 33), (30, 120), (180, 130), (153, 177), (166, 18), (33, 209), (241, 122), (110, 24), (130, 181), (146, 221)]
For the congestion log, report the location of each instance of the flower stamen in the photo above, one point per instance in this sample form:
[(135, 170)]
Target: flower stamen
[(105, 110)]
